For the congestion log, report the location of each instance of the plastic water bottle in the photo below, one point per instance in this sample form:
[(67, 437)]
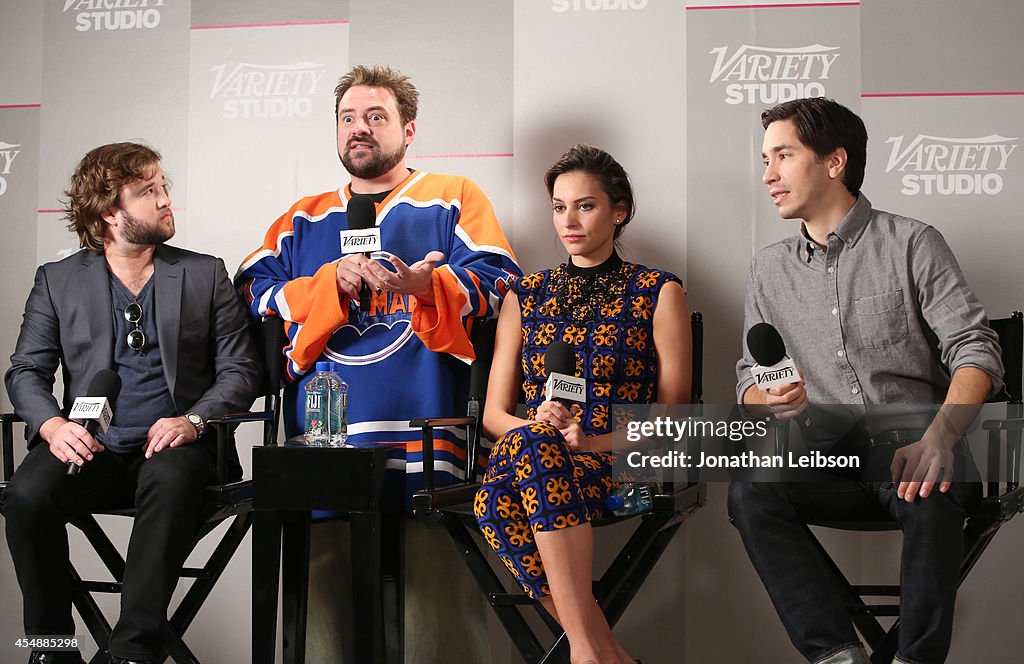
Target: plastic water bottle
[(326, 408), (629, 498)]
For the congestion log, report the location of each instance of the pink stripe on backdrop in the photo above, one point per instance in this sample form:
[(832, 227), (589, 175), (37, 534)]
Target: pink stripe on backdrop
[(942, 94), (777, 6), (461, 156), (265, 25), (61, 211), (20, 105)]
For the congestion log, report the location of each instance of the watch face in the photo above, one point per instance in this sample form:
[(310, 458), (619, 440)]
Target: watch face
[(194, 419)]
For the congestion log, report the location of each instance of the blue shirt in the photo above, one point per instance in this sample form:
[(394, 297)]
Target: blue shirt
[(144, 396)]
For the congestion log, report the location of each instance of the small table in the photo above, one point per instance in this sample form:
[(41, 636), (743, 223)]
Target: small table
[(289, 481)]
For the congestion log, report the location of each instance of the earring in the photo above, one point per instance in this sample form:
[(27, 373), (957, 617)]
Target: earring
[(618, 221)]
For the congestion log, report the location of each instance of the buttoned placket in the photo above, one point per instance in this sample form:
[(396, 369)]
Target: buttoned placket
[(832, 265)]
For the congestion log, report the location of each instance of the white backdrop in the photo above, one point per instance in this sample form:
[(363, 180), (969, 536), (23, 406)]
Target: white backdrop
[(238, 97)]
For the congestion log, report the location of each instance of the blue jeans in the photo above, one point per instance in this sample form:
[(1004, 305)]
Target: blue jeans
[(804, 590)]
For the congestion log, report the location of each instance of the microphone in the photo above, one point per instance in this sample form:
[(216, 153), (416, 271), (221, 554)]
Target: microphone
[(94, 412), (773, 366), (563, 384), (769, 351), (362, 236)]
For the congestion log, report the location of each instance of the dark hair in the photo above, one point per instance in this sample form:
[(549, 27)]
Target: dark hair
[(96, 187), (824, 125), (398, 84), (610, 173)]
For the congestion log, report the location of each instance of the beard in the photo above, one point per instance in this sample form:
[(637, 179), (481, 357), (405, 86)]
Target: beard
[(377, 165), (137, 231)]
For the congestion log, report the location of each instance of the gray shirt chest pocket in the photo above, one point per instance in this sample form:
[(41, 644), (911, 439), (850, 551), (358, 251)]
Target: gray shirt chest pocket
[(881, 319)]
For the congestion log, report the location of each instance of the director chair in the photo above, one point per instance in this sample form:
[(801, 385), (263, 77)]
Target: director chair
[(452, 507), (1000, 503), (222, 501)]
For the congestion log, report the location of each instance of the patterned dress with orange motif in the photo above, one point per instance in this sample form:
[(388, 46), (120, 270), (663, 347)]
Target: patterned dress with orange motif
[(534, 482)]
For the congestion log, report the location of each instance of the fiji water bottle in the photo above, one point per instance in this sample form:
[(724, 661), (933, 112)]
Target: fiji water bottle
[(326, 407), (629, 498)]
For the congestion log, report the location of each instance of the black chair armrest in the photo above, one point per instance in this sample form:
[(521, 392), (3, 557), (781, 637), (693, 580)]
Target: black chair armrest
[(426, 504), (1002, 507), (7, 421), (683, 499), (431, 422), (1003, 425), (238, 418), (225, 425)]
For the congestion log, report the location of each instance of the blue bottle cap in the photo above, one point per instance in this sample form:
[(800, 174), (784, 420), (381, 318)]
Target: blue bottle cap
[(615, 501), (325, 366)]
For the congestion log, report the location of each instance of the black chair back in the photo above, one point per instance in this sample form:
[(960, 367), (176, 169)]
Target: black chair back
[(1011, 341), (270, 339), (697, 355), (482, 337)]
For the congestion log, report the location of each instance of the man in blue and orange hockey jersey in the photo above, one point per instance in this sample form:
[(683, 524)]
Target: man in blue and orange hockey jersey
[(444, 262)]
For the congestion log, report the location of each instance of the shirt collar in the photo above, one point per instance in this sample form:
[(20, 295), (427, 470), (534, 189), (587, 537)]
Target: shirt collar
[(610, 264), (855, 222), (809, 245)]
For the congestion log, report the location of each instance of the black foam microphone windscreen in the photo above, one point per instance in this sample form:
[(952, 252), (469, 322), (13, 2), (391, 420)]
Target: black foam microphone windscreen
[(361, 215), (560, 358), (765, 344)]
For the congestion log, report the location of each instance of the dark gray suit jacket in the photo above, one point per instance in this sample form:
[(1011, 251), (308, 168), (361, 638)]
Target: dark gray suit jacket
[(205, 346)]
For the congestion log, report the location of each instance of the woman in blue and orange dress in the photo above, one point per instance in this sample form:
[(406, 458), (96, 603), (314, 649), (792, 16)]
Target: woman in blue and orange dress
[(549, 475)]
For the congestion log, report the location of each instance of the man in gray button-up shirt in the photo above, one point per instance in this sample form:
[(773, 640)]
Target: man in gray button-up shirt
[(875, 312)]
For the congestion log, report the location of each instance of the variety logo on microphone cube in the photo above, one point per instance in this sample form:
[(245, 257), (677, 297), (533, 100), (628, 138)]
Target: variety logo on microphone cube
[(360, 241), (782, 373), (92, 408), (570, 388)]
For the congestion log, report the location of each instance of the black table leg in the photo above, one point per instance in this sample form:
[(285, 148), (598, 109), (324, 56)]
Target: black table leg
[(368, 609), (266, 565), (295, 586), (393, 585)]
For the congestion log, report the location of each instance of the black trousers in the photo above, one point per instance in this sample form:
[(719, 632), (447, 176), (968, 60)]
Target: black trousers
[(167, 492)]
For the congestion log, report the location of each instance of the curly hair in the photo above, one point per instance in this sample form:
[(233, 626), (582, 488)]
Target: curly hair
[(598, 163), (96, 187), (381, 76)]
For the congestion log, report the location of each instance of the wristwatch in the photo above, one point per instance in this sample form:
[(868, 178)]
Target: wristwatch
[(198, 422)]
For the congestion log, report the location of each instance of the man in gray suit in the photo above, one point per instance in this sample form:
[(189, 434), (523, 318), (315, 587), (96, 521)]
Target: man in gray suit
[(170, 324)]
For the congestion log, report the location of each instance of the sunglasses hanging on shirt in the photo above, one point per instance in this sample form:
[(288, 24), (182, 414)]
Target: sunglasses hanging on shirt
[(136, 338)]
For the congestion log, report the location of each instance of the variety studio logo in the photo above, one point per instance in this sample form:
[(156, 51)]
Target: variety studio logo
[(596, 5), (764, 75), (7, 157), (950, 166), (114, 14), (267, 91)]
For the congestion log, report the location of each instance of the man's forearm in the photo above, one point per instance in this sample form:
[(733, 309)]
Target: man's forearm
[(968, 389)]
